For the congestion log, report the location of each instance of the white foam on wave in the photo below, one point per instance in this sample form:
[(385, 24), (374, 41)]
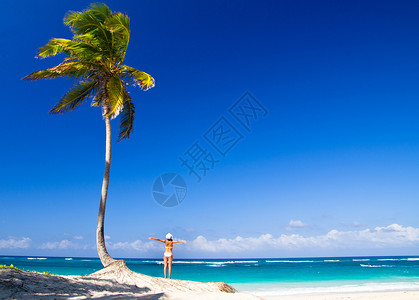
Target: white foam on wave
[(191, 262), (376, 266), (347, 288), (331, 260), (387, 259), (87, 260), (361, 259), (209, 263), (289, 261), (213, 262), (219, 265), (39, 258), (160, 262), (68, 258), (413, 259)]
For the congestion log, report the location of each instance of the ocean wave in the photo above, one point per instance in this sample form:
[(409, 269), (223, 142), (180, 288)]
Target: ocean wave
[(413, 259), (331, 260), (361, 259), (220, 265), (191, 262), (289, 261), (87, 260), (376, 266), (216, 262), (68, 258), (387, 259), (39, 258), (160, 262)]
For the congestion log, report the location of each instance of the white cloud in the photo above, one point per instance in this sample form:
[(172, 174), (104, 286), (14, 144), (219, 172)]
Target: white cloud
[(64, 244), (77, 237), (391, 236), (353, 224), (295, 224), (13, 243), (137, 245), (107, 237)]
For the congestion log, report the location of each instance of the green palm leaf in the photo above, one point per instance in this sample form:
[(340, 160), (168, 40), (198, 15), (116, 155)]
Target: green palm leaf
[(100, 11), (99, 98), (54, 47), (119, 25), (70, 68), (127, 118), (115, 95), (146, 81), (75, 97)]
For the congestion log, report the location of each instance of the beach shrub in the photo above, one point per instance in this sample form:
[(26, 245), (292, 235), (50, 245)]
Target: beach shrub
[(8, 267), (48, 273)]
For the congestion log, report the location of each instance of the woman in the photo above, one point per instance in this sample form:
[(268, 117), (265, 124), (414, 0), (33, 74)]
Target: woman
[(168, 253)]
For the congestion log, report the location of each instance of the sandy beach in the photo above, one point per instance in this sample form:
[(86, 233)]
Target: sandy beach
[(410, 295), (114, 282)]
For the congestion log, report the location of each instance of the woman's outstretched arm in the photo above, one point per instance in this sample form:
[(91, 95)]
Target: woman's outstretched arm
[(151, 238), (177, 242)]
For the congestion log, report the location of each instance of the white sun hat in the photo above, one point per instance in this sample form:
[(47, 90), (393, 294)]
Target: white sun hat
[(169, 236)]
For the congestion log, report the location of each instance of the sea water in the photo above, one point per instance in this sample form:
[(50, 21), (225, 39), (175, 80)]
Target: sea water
[(274, 276)]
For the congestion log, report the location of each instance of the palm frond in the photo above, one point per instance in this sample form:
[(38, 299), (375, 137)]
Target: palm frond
[(99, 98), (119, 25), (100, 10), (75, 96), (115, 96), (86, 22), (85, 50), (144, 80), (126, 123), (73, 69), (54, 47)]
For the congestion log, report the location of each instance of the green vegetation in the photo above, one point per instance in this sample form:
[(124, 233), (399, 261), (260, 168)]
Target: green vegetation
[(48, 273), (8, 267), (14, 268)]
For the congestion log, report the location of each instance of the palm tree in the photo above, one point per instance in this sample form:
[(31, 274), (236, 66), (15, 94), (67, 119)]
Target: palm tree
[(94, 57)]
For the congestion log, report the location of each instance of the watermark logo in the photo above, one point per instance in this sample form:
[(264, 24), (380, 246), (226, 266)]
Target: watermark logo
[(222, 136), (169, 189), (212, 147), (248, 109)]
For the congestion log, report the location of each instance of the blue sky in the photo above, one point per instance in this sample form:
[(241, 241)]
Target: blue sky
[(332, 169)]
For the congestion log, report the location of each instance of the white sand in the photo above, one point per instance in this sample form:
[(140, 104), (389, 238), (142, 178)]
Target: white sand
[(410, 295)]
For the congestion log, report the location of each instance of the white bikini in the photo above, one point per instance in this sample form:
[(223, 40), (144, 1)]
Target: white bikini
[(168, 254)]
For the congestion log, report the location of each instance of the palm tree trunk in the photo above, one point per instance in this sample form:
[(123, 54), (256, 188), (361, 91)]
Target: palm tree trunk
[(104, 256)]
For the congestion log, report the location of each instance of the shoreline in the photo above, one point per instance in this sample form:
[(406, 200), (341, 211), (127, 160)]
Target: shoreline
[(117, 282), (303, 282)]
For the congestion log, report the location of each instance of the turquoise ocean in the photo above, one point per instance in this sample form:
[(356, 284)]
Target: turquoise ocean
[(275, 276)]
